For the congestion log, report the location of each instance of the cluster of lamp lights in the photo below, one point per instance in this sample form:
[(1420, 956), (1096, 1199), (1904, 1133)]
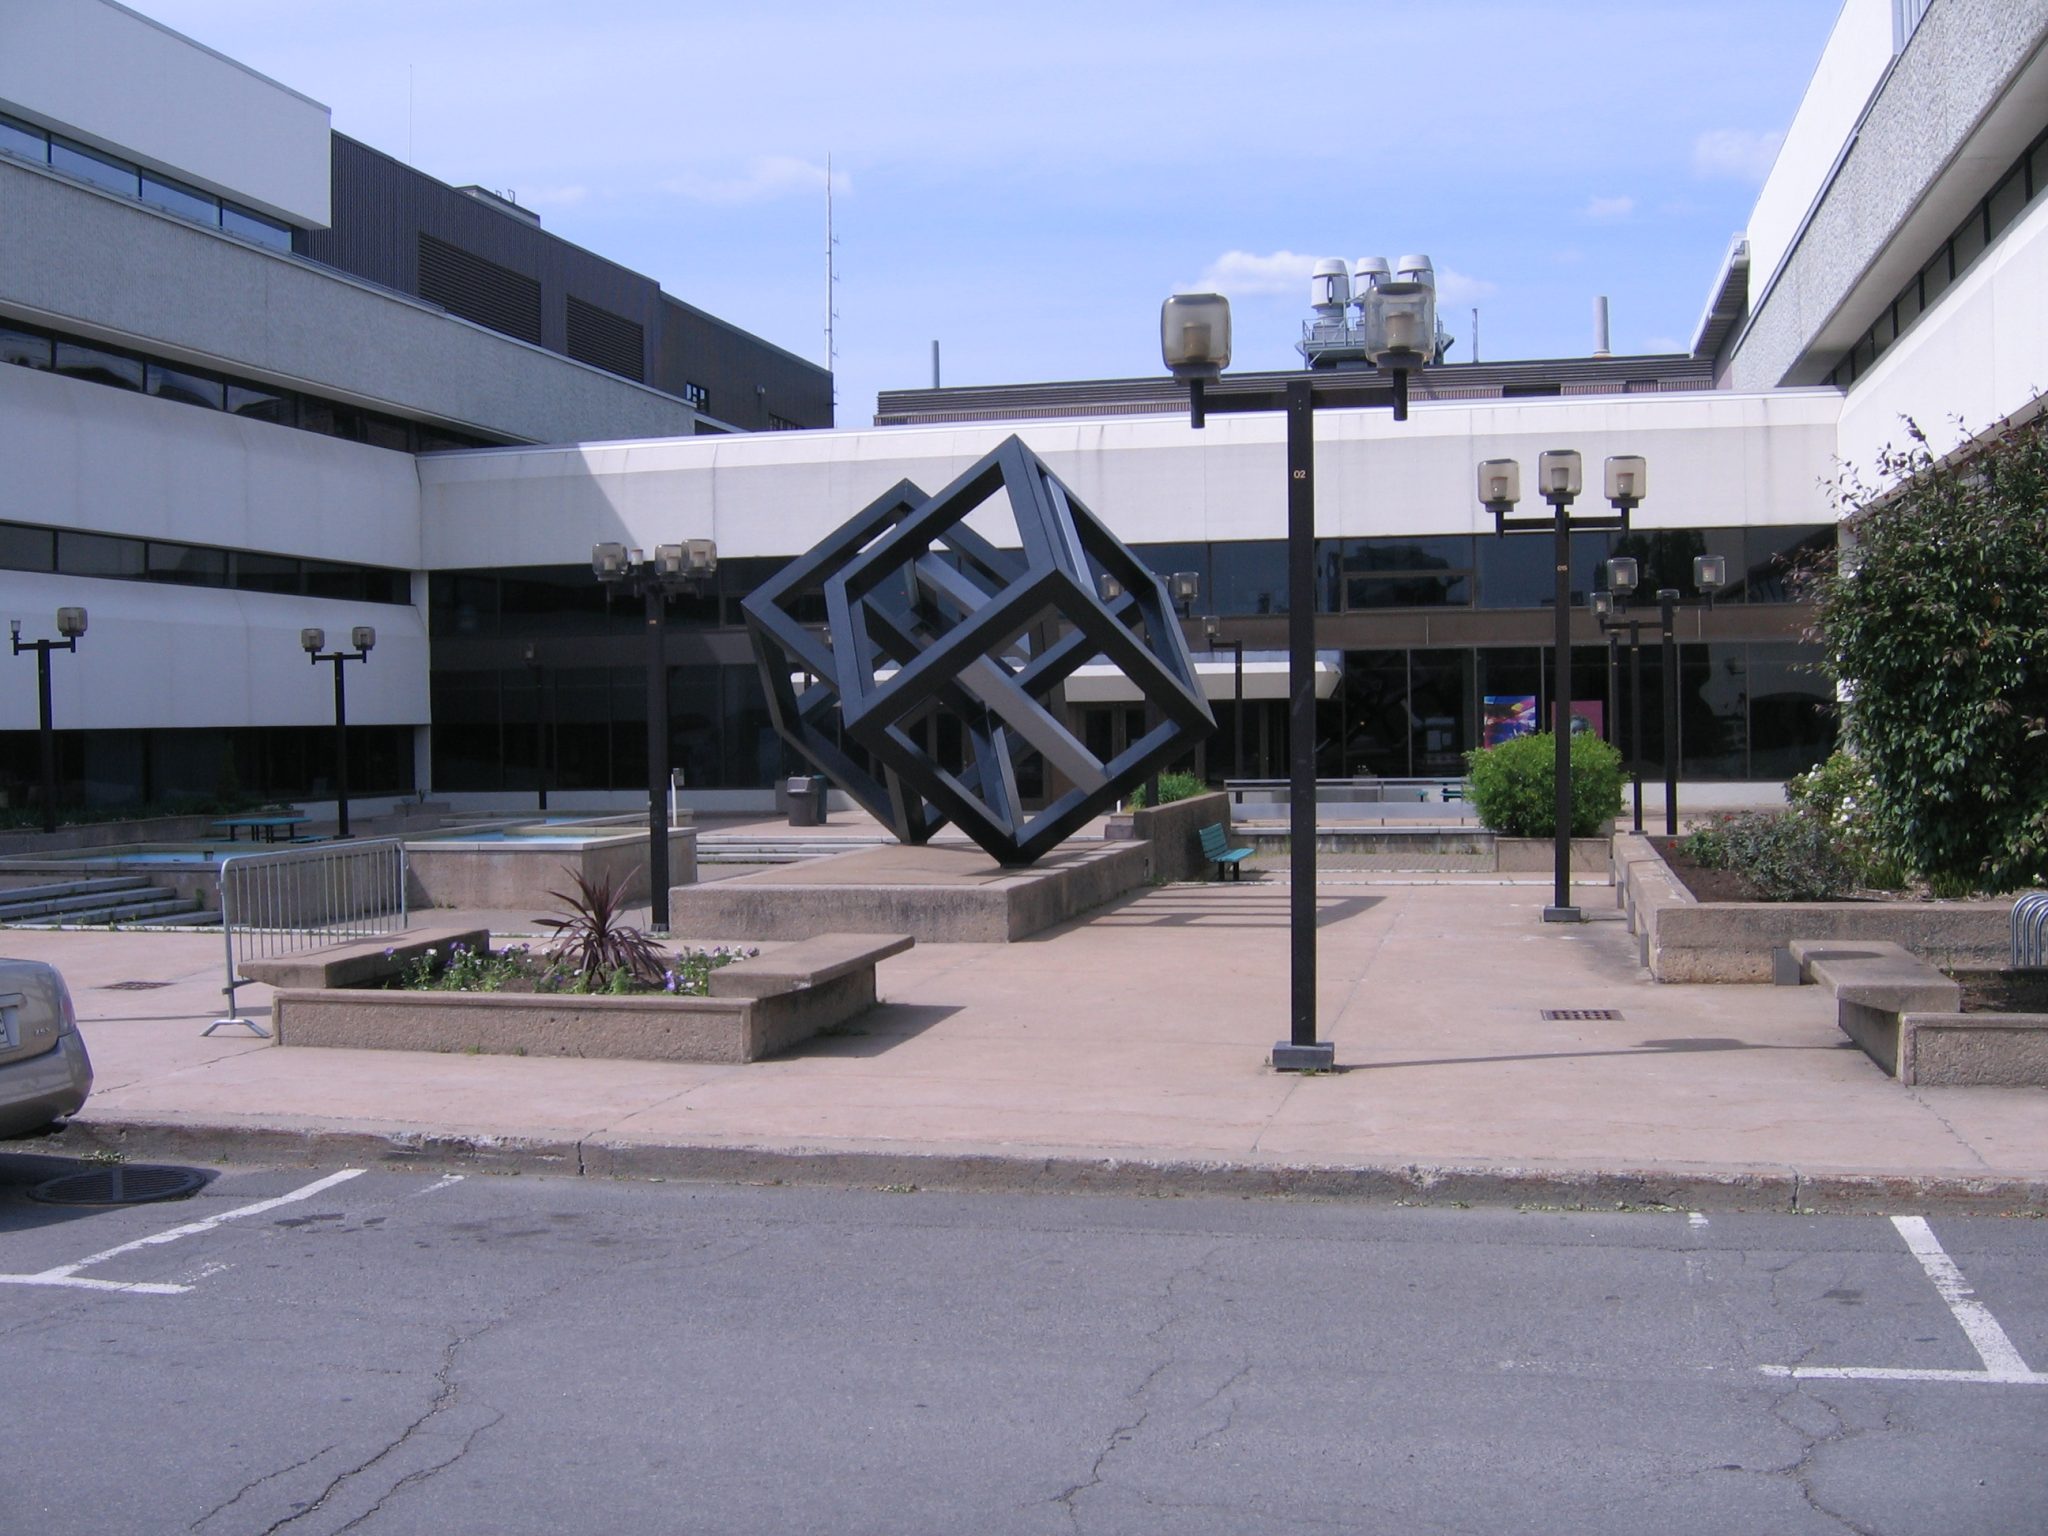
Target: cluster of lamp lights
[(71, 625), (1397, 331), (672, 568), (363, 639)]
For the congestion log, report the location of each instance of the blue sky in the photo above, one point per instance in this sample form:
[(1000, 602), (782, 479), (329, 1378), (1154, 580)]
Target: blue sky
[(1024, 184)]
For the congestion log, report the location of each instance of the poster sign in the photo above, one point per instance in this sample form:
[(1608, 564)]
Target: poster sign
[(1508, 715)]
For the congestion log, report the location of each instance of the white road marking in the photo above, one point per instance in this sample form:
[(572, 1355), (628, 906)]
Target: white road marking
[(1696, 1219), (67, 1274), (441, 1183), (2002, 1363)]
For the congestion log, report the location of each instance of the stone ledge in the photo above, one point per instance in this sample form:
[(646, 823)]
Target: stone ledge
[(360, 962)]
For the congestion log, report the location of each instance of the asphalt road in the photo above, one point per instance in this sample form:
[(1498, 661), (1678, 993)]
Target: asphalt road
[(390, 1353)]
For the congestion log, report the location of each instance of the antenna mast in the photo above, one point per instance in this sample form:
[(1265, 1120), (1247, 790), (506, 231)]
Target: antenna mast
[(831, 283)]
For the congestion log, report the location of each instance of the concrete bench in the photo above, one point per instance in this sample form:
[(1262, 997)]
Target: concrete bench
[(361, 962), (808, 963)]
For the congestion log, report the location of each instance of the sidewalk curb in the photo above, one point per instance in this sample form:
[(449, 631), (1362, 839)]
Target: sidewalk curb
[(1785, 1190)]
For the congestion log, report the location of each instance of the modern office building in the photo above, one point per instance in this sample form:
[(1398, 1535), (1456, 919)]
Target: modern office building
[(275, 379)]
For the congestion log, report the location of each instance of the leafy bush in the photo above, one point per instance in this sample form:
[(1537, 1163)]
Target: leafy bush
[(1172, 786), (1785, 855), (517, 969), (1838, 794), (1513, 786), (594, 941), (1935, 619)]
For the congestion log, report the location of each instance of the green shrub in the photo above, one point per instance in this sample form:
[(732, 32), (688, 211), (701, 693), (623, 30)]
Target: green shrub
[(1172, 787), (1785, 855), (1935, 620), (1513, 786)]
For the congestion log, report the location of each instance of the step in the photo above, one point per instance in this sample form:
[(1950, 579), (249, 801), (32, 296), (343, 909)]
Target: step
[(191, 917), (103, 916), (11, 911), (12, 894)]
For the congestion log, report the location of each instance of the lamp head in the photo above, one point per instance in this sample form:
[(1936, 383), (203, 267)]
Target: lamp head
[(1398, 315), (363, 638), (608, 562), (70, 622), (1185, 586), (700, 556), (1500, 485), (1709, 572), (1560, 475), (1622, 575), (1627, 479), (311, 640), (1603, 604), (1112, 589), (1194, 335)]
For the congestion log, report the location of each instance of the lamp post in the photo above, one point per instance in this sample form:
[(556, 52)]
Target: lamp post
[(1212, 631), (1558, 477), (1621, 580), (1709, 574), (687, 566), (543, 721), (363, 638), (1398, 323), (70, 624)]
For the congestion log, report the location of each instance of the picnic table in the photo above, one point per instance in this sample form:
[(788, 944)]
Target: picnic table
[(265, 828)]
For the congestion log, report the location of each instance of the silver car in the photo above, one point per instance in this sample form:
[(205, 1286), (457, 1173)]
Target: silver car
[(45, 1073)]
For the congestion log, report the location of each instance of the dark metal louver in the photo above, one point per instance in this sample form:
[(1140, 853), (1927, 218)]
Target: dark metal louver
[(465, 284), (608, 341)]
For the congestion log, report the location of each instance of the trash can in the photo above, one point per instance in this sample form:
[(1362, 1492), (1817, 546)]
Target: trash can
[(806, 795)]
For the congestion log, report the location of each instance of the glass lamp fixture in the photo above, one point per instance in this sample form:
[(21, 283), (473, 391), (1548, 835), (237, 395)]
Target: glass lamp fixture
[(608, 561), (1559, 475), (363, 638), (1500, 484), (1185, 586), (1622, 575), (310, 640), (1194, 335), (1709, 572), (1627, 476), (70, 622)]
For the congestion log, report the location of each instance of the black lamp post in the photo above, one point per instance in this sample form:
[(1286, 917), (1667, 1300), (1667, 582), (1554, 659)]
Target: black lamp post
[(70, 624), (1558, 476), (544, 718), (1212, 631), (683, 567), (362, 637), (1621, 580), (1398, 334), (1709, 574)]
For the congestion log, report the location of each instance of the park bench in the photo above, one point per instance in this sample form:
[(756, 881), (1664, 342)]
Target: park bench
[(1217, 847)]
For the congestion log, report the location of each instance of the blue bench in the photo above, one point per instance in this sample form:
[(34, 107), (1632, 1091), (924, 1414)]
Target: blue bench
[(1216, 846)]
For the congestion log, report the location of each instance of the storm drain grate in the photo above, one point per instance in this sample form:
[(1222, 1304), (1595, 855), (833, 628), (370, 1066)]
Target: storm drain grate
[(133, 986), (119, 1186), (1570, 1015)]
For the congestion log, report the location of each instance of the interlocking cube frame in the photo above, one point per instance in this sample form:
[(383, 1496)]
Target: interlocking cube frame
[(925, 614)]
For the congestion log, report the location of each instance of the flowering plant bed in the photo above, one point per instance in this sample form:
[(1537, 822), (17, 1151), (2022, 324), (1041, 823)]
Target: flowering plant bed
[(516, 968)]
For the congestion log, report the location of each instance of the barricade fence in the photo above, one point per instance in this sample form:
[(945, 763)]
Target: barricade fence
[(298, 899), (2030, 929)]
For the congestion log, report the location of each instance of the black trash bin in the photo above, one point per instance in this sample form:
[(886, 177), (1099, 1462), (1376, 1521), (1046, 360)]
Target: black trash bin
[(806, 795)]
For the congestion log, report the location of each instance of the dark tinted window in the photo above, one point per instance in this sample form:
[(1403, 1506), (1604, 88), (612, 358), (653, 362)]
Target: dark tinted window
[(20, 139), (186, 202), (266, 573), (98, 554), (1250, 577), (2008, 198), (1515, 569), (24, 348), (253, 226), (191, 388), (187, 565), (27, 549), (98, 366), (263, 404), (100, 170), (324, 578)]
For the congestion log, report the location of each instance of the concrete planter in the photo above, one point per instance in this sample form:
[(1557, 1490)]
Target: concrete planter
[(1681, 939), (1538, 855), (511, 871), (1174, 831)]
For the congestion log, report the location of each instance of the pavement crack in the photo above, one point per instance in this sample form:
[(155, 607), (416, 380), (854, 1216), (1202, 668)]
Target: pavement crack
[(1118, 1437), (1209, 1437), (250, 1487), (420, 1475), (1919, 1097)]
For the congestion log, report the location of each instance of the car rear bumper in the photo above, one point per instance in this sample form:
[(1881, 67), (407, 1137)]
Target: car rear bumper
[(45, 1087)]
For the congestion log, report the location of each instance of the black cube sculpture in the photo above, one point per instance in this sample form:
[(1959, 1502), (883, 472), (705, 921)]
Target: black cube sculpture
[(927, 617)]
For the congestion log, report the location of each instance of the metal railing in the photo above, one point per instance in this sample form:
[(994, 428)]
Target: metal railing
[(2030, 930), (297, 899)]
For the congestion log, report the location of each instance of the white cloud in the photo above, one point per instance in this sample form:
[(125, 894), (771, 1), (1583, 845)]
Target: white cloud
[(1608, 210), (764, 179), (1244, 272), (1454, 287), (1737, 154)]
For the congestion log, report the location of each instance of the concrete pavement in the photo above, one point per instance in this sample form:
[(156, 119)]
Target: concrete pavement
[(1129, 1051)]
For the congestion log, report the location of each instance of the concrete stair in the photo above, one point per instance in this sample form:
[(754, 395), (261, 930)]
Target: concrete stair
[(128, 901), (736, 849)]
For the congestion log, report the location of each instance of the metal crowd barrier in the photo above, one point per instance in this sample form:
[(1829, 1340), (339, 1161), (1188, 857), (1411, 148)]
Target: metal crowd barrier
[(298, 899), (2030, 929)]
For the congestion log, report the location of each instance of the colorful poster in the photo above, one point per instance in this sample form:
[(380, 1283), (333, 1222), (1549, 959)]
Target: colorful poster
[(1589, 717), (1508, 715)]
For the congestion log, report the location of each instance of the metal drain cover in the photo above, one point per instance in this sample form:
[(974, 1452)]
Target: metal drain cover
[(133, 986), (1575, 1014), (119, 1185)]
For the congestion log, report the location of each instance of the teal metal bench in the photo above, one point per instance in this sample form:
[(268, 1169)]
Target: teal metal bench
[(1216, 846)]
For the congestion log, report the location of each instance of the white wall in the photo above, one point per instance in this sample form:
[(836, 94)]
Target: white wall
[(1979, 355), (1715, 459), (1857, 54), (115, 80)]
